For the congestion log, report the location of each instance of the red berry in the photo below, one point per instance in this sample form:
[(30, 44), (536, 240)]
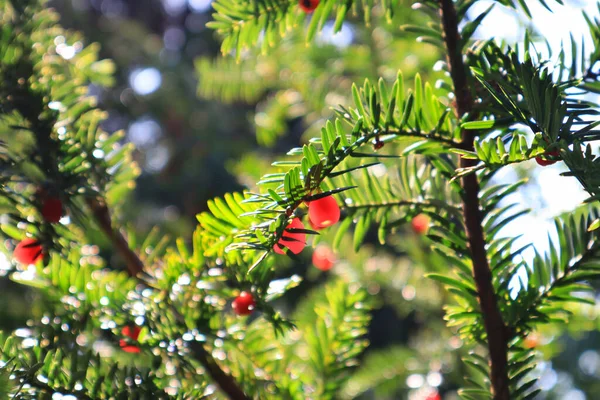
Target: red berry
[(544, 161), (378, 144), (433, 396), (243, 304), (308, 6), (132, 332), (323, 258), (52, 209), (420, 224), (532, 340), (28, 251), (295, 242), (323, 212)]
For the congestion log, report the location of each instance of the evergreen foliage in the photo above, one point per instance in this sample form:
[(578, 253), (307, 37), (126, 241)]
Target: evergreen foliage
[(395, 147)]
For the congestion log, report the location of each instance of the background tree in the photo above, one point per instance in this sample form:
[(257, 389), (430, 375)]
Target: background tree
[(413, 167)]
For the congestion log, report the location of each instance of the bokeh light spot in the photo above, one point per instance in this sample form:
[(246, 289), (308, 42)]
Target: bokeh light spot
[(144, 81), (199, 5)]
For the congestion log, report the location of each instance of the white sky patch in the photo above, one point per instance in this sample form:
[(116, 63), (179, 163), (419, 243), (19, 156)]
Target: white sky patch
[(341, 39), (508, 24), (558, 194)]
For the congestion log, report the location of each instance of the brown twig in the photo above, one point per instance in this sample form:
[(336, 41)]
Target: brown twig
[(102, 217), (226, 382), (497, 334)]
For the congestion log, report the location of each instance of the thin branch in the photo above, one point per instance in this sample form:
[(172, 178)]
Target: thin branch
[(497, 333), (292, 203), (102, 217), (407, 203), (226, 382), (433, 135)]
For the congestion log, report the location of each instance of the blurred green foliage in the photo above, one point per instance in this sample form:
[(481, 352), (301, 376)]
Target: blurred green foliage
[(191, 151)]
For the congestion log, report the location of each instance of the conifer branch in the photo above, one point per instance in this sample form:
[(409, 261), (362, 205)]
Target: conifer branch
[(432, 136), (590, 254), (225, 381), (44, 387), (497, 334), (32, 105), (102, 217), (401, 203), (134, 267)]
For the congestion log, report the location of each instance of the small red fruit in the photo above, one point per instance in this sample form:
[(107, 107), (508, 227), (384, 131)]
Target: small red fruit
[(52, 209), (532, 340), (293, 241), (323, 212), (308, 6), (433, 396), (420, 224), (378, 144), (132, 332), (28, 251), (243, 304), (544, 161), (323, 258)]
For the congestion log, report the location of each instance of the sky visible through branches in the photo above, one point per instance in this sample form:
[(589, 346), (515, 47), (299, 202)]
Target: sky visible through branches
[(551, 194)]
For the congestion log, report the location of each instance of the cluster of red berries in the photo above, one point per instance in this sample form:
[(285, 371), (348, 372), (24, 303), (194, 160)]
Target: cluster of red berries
[(322, 213), (308, 6), (29, 250)]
